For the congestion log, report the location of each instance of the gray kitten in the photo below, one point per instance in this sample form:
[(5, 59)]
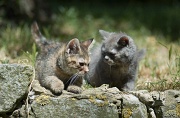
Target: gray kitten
[(115, 61)]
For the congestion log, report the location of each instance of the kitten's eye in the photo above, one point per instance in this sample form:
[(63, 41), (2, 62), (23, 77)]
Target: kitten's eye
[(81, 63), (74, 62)]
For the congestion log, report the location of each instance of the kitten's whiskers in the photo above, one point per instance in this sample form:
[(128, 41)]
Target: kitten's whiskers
[(72, 79)]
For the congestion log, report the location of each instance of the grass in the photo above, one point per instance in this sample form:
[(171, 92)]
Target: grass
[(159, 70)]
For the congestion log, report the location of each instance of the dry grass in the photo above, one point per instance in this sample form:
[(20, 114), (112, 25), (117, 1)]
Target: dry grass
[(160, 69)]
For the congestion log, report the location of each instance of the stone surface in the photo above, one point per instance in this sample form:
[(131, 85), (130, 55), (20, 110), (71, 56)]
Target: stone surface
[(14, 82), (133, 108), (69, 107), (92, 103), (171, 107)]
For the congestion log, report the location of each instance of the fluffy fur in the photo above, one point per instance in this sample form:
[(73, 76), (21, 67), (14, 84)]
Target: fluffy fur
[(114, 61), (61, 65)]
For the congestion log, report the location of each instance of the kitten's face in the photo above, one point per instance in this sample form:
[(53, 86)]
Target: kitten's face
[(117, 48), (77, 56)]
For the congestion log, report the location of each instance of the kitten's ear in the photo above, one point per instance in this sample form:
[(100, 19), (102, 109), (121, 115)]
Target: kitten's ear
[(123, 41), (87, 44), (36, 34), (73, 47), (104, 34)]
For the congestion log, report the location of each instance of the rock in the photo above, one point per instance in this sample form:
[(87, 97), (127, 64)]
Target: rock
[(94, 102), (91, 103), (171, 107), (14, 82), (132, 107), (144, 96), (69, 107)]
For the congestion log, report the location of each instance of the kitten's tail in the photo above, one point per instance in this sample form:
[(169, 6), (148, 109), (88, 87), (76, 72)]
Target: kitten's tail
[(36, 34)]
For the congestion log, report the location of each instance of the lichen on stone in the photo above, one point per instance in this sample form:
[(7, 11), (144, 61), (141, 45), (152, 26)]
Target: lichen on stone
[(126, 113), (73, 99), (178, 109), (43, 99), (92, 99), (99, 100), (101, 97), (170, 114)]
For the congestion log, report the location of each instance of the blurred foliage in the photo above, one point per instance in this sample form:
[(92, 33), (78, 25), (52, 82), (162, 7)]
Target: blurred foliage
[(150, 23), (15, 40), (82, 19), (160, 17)]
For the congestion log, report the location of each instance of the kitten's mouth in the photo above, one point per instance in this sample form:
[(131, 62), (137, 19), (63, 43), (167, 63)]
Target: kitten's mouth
[(81, 73), (83, 70), (109, 62)]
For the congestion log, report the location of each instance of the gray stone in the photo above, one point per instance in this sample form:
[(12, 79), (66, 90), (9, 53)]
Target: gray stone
[(171, 107), (92, 103), (101, 102), (70, 107), (132, 107), (144, 96), (14, 82)]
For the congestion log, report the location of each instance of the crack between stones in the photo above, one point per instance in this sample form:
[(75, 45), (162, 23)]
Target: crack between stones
[(121, 108), (33, 112)]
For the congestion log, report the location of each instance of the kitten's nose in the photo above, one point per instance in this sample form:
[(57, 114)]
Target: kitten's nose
[(106, 58), (86, 69)]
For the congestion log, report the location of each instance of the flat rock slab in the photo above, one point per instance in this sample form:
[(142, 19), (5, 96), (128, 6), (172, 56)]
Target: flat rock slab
[(14, 82), (71, 108), (101, 102)]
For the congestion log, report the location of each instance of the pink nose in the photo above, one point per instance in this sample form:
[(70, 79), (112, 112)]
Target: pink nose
[(86, 69)]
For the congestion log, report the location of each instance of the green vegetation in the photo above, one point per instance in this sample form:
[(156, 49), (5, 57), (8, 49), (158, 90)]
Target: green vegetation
[(164, 74), (154, 27)]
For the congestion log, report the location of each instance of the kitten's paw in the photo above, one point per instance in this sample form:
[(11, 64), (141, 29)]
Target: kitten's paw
[(57, 90), (74, 89), (57, 87)]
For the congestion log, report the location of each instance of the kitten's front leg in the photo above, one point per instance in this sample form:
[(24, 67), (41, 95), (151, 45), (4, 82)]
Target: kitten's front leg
[(55, 85), (76, 86), (129, 86)]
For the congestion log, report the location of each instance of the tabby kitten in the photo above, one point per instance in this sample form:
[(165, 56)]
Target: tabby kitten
[(115, 61), (61, 65)]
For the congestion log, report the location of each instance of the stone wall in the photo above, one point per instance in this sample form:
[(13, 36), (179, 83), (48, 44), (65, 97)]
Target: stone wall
[(22, 96)]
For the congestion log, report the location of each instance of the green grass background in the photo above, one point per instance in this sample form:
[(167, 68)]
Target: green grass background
[(153, 25)]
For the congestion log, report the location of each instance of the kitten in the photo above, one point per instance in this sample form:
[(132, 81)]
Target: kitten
[(61, 65), (114, 62)]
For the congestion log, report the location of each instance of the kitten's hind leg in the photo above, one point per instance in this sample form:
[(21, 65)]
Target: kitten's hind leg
[(55, 85), (75, 87)]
